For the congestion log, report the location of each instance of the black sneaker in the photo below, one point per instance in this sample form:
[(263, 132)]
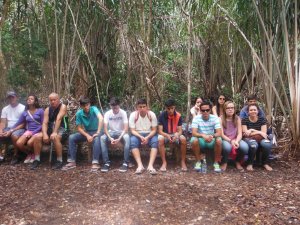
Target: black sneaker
[(105, 168), (123, 168), (57, 166), (35, 164), (15, 160)]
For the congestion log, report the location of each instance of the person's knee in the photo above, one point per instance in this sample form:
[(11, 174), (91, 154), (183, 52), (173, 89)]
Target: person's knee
[(161, 142), (218, 141), (182, 140), (195, 142)]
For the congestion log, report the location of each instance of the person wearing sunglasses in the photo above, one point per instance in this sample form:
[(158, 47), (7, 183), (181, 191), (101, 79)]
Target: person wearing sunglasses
[(218, 108), (195, 110), (206, 131), (232, 142)]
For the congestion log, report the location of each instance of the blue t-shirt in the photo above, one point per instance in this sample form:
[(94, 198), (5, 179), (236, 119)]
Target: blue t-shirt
[(206, 126), (88, 120)]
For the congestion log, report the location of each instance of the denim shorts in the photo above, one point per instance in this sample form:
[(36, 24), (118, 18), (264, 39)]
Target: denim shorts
[(17, 133), (166, 140), (135, 142)]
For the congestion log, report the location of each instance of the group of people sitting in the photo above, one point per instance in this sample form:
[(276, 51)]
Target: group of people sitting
[(215, 128)]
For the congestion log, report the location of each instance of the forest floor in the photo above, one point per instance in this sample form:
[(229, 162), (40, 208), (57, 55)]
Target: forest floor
[(80, 196)]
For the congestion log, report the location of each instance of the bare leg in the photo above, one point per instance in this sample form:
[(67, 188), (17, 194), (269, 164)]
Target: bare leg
[(218, 150), (21, 144), (137, 156), (162, 152), (153, 153), (183, 152), (58, 148), (196, 149)]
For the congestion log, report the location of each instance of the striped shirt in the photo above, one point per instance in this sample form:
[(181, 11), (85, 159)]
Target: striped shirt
[(256, 125), (206, 126)]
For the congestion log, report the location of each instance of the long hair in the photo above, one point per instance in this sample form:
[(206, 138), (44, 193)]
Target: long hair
[(36, 102), (218, 106), (224, 116)]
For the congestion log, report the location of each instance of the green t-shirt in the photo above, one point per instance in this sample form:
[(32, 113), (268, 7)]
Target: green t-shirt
[(88, 121)]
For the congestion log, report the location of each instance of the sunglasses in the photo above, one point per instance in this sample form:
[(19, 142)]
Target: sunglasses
[(205, 110), (221, 98)]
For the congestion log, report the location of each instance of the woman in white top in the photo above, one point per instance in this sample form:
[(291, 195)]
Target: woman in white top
[(195, 111)]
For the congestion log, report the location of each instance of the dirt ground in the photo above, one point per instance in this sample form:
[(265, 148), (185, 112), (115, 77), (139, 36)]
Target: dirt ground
[(82, 197)]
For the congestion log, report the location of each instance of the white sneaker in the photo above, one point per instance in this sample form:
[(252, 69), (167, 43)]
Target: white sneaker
[(28, 158), (32, 158)]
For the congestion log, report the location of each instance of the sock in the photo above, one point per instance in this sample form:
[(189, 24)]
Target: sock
[(59, 159), (37, 157)]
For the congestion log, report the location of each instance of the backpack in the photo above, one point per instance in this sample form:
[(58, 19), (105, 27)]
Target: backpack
[(137, 115)]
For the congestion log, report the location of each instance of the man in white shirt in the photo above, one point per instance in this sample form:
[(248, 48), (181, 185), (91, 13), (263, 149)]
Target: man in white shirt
[(115, 130), (143, 126), (9, 116)]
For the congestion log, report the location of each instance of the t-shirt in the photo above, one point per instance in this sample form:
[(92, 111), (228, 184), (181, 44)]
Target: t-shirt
[(88, 120), (34, 122), (254, 125), (244, 112), (170, 123), (194, 111), (143, 124), (206, 126), (12, 114), (115, 121)]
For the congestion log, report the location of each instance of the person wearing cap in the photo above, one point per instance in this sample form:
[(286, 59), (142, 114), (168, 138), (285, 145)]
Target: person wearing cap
[(115, 130), (9, 116), (89, 124)]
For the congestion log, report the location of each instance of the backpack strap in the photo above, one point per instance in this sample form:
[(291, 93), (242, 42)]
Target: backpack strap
[(137, 115)]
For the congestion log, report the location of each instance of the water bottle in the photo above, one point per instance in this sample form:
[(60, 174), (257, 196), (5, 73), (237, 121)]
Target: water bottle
[(204, 166)]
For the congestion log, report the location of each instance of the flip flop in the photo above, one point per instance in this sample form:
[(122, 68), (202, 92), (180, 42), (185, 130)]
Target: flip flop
[(69, 166), (184, 169), (152, 171), (163, 170), (139, 171), (95, 168)]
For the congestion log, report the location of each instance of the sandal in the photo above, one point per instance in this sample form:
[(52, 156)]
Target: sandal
[(95, 167), (69, 166), (152, 171), (139, 170), (163, 170), (184, 169)]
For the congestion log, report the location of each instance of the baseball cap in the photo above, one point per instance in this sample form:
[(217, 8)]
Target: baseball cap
[(11, 94)]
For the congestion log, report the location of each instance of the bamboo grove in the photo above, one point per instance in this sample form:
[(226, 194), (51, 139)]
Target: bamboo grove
[(156, 49)]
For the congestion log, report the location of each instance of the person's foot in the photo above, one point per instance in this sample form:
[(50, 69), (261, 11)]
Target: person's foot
[(217, 168), (58, 165), (238, 166), (69, 166), (183, 167), (152, 171), (198, 166), (224, 166), (163, 168), (267, 167), (35, 164), (105, 168), (124, 168), (139, 170), (15, 160), (249, 168), (95, 167)]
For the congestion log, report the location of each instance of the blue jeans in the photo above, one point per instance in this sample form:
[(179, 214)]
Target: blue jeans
[(241, 152), (76, 138), (135, 142), (104, 146), (265, 146)]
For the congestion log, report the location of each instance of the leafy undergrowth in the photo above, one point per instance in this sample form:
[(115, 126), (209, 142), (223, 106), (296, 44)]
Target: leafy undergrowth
[(82, 197)]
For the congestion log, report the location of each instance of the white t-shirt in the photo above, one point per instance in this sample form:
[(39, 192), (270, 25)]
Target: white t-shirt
[(12, 114), (195, 112), (115, 121), (143, 124)]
